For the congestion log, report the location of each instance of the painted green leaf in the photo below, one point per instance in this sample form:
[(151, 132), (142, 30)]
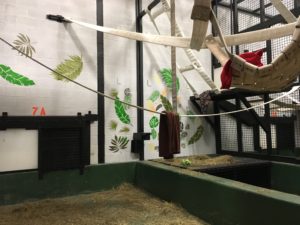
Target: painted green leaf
[(113, 125), (159, 107), (154, 96), (166, 75), (121, 112), (70, 68), (12, 77), (190, 112), (125, 130), (153, 134), (153, 122), (23, 44), (114, 93), (196, 137), (118, 143), (127, 99), (183, 135), (166, 103)]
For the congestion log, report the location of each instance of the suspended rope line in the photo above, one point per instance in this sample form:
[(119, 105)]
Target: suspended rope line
[(295, 88), (75, 82)]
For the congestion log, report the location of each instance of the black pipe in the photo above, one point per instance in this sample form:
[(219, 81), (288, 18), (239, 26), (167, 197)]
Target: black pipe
[(57, 18), (139, 75), (100, 85), (150, 6)]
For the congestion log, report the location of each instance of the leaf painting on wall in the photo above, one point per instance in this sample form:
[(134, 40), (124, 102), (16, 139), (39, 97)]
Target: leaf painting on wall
[(15, 78), (125, 130), (166, 75), (153, 133), (118, 143), (154, 96), (121, 112), (113, 93), (70, 68), (23, 44), (196, 137), (127, 98), (166, 103), (154, 122), (113, 125)]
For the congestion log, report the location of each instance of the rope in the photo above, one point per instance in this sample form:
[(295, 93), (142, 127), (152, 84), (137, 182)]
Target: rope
[(75, 82), (148, 110)]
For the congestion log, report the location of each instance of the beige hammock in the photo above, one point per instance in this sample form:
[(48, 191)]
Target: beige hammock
[(278, 75)]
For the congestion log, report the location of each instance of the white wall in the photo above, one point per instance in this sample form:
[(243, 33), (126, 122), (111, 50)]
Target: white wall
[(158, 57), (53, 43)]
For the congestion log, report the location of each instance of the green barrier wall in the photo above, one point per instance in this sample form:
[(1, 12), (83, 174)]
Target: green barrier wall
[(19, 187), (285, 177), (219, 201)]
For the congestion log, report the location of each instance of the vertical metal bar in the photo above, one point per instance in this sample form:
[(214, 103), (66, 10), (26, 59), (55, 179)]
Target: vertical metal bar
[(173, 58), (218, 134), (263, 19), (236, 23), (239, 128), (140, 75), (268, 122), (100, 85)]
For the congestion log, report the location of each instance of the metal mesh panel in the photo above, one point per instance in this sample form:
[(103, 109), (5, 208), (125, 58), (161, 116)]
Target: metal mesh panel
[(228, 139), (284, 118), (224, 18)]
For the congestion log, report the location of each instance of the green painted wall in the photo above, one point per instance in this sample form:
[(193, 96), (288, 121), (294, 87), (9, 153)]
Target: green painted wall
[(219, 201), (285, 177), (19, 187)]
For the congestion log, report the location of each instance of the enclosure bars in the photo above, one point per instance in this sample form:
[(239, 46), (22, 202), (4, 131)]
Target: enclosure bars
[(100, 84), (267, 123), (137, 144)]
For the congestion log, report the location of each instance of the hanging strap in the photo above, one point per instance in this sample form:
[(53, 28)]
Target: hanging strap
[(216, 25), (201, 14)]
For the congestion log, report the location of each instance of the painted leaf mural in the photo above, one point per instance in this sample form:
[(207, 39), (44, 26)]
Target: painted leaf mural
[(127, 98), (114, 93), (71, 68), (153, 133), (121, 112), (154, 96), (113, 125), (166, 103), (125, 130), (12, 77), (118, 143), (23, 44), (154, 122), (166, 75), (196, 137)]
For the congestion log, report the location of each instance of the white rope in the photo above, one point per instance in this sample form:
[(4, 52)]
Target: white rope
[(144, 109), (247, 109)]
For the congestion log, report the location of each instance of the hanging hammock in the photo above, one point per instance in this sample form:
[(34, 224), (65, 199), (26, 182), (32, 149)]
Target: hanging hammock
[(276, 76)]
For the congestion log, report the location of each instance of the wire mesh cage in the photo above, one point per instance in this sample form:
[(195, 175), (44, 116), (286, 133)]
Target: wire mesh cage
[(268, 129)]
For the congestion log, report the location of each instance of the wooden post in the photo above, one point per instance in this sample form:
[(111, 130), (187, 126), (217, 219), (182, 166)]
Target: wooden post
[(173, 58)]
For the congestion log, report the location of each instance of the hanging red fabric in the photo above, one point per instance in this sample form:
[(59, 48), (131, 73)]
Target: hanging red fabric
[(251, 57)]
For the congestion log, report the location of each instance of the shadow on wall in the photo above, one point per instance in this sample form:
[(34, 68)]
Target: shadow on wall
[(80, 46)]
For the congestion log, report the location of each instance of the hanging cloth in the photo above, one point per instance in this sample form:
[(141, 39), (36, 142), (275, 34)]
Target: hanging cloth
[(169, 135), (251, 57)]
